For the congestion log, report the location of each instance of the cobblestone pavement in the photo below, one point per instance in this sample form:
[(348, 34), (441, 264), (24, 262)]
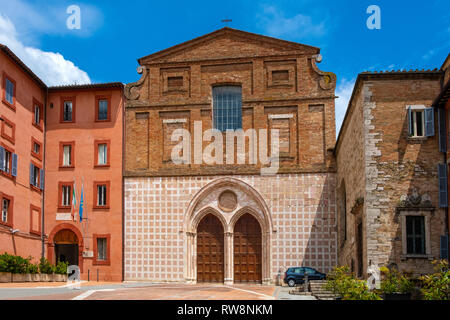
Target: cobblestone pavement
[(144, 291)]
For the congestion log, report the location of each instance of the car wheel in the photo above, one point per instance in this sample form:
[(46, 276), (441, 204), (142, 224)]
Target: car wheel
[(291, 283)]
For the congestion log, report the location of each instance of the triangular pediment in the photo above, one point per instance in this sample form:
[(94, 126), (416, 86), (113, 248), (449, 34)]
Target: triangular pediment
[(227, 43)]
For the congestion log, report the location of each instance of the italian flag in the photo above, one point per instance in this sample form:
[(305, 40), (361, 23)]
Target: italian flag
[(74, 202)]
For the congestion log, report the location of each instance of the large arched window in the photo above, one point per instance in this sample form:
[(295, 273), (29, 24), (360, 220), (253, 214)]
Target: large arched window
[(227, 107)]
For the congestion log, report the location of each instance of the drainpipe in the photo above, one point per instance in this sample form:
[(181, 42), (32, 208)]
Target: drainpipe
[(123, 185), (43, 166)]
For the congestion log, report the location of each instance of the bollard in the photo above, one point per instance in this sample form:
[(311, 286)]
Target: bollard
[(88, 275), (97, 275), (306, 283)]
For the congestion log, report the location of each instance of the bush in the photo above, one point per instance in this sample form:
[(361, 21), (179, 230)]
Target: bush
[(33, 268), (46, 267), (340, 281), (61, 267), (14, 264), (395, 282), (436, 286)]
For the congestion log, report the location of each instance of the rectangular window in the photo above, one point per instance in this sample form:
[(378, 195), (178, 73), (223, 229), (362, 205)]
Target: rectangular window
[(415, 234), (66, 196), (7, 204), (67, 111), (37, 115), (418, 123), (36, 177), (103, 110), (36, 148), (102, 245), (67, 154), (101, 195), (7, 162), (101, 249), (227, 108), (9, 91), (102, 154), (5, 210)]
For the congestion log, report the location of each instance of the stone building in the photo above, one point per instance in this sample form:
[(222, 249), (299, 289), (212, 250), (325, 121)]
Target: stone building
[(197, 220), (389, 208)]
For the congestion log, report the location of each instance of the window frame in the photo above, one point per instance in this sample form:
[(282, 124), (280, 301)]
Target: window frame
[(427, 213), (61, 184), (36, 103), (414, 236), (39, 167), (215, 125), (61, 116), (12, 125), (97, 108), (61, 154), (33, 209), (414, 122), (34, 154), (108, 152), (95, 260), (108, 192), (10, 214), (10, 150), (6, 102)]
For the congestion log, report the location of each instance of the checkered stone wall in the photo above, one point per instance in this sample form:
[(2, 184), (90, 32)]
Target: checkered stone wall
[(302, 209)]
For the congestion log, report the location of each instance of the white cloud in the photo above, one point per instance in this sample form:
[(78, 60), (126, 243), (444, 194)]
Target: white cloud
[(276, 24), (51, 67), (344, 92)]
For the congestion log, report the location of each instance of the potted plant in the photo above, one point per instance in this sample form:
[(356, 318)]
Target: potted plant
[(436, 286), (46, 270), (33, 270), (61, 271), (5, 273), (396, 286)]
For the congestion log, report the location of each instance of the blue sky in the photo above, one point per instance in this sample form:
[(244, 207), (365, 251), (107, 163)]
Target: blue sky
[(414, 34)]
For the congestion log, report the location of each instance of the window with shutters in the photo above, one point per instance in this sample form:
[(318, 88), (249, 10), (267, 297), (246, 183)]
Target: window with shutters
[(8, 162), (36, 177), (7, 203), (101, 153), (420, 121), (8, 131), (101, 249), (67, 154), (38, 119), (9, 92), (227, 107), (65, 194), (443, 185), (68, 110), (102, 108), (101, 194)]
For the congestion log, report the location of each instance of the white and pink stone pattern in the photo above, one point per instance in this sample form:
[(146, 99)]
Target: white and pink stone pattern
[(302, 207)]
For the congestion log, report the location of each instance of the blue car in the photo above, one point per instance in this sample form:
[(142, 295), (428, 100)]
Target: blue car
[(296, 275)]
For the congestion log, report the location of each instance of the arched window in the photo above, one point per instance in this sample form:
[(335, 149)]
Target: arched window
[(227, 107)]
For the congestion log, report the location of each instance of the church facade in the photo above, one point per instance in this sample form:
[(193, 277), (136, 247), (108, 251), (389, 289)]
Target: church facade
[(201, 207)]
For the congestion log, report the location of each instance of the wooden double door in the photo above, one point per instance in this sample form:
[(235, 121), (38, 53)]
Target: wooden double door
[(247, 250)]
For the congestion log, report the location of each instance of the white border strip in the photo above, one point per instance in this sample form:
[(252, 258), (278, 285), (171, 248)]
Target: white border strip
[(174, 120), (281, 116)]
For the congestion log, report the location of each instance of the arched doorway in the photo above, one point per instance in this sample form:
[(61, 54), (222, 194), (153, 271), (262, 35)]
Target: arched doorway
[(66, 246), (210, 250), (247, 250)]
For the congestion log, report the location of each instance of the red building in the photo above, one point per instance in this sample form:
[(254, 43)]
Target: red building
[(21, 157), (84, 150)]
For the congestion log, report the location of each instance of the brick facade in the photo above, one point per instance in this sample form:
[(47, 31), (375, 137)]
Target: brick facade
[(283, 89), (388, 174)]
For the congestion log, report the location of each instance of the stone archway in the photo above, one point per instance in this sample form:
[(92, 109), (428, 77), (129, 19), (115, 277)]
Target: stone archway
[(65, 233), (228, 199)]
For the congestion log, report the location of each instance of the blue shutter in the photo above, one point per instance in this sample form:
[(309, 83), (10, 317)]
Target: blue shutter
[(442, 130), (442, 174), (32, 174), (2, 158), (429, 122), (41, 178), (410, 124), (444, 247), (14, 165)]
